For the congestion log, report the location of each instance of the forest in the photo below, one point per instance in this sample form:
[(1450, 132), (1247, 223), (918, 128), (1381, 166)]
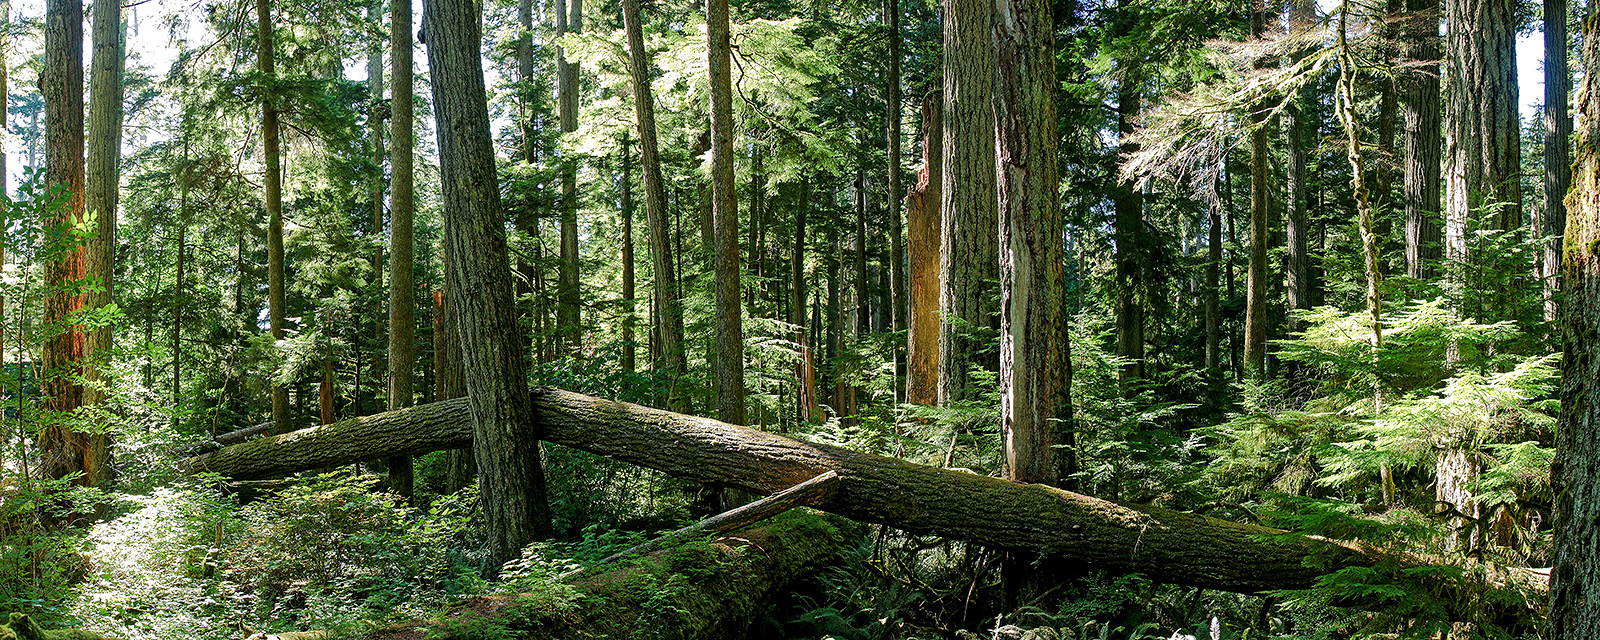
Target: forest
[(820, 319)]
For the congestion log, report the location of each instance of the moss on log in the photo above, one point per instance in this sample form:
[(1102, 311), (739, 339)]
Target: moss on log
[(699, 590)]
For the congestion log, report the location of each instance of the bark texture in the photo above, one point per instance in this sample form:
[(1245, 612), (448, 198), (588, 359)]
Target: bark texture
[(1256, 285), (969, 264), (1127, 203), (1077, 531), (924, 229), (567, 314), (102, 179), (725, 219), (1419, 107), (505, 443), (1557, 137), (63, 451), (1481, 138), (897, 256), (1035, 355), (1575, 474)]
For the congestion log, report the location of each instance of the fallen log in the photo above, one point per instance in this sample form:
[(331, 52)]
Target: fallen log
[(696, 590), (1065, 530), (806, 493)]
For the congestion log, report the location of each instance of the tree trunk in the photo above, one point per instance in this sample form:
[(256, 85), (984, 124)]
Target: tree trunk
[(273, 193), (1256, 284), (1481, 137), (807, 373), (1035, 355), (1557, 135), (922, 208), (105, 154), (628, 293), (1575, 474), (1065, 528), (402, 297), (896, 195), (448, 385), (725, 217), (1419, 104), (668, 300), (1214, 379), (63, 451), (969, 264), (505, 443), (178, 295), (567, 315), (1296, 223), (863, 314), (380, 342), (1127, 202)]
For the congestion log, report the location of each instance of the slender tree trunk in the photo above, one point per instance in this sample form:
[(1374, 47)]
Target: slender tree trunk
[(628, 318), (1214, 380), (1575, 474), (105, 153), (1035, 362), (529, 272), (375, 197), (1256, 284), (1557, 134), (273, 193), (807, 374), (1296, 225), (863, 309), (922, 208), (969, 264), (567, 315), (1419, 103), (668, 299), (178, 295), (725, 217), (62, 450), (402, 292), (505, 438), (325, 394), (1127, 201), (897, 257)]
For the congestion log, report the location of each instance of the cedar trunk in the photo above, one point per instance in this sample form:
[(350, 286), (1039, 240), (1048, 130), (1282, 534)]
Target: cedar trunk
[(1557, 135), (63, 451), (105, 154)]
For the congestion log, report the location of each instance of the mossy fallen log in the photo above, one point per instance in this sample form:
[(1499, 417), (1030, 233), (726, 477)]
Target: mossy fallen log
[(1065, 530), (697, 590)]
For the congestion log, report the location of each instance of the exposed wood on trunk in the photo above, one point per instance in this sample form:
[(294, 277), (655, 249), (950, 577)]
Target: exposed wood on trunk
[(1064, 527), (923, 230)]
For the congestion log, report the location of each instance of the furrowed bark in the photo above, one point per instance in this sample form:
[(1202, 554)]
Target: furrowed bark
[(1070, 531)]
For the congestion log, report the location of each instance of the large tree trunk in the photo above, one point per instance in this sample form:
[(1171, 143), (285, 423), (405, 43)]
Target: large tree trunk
[(105, 154), (669, 323), (923, 225), (505, 445), (725, 218), (969, 265), (402, 303), (741, 574), (1035, 362), (1078, 531), (62, 450), (1557, 134), (1575, 475), (1419, 104), (1127, 203), (1481, 137)]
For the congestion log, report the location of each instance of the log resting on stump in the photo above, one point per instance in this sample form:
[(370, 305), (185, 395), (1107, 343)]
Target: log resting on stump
[(1067, 531), (710, 590)]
